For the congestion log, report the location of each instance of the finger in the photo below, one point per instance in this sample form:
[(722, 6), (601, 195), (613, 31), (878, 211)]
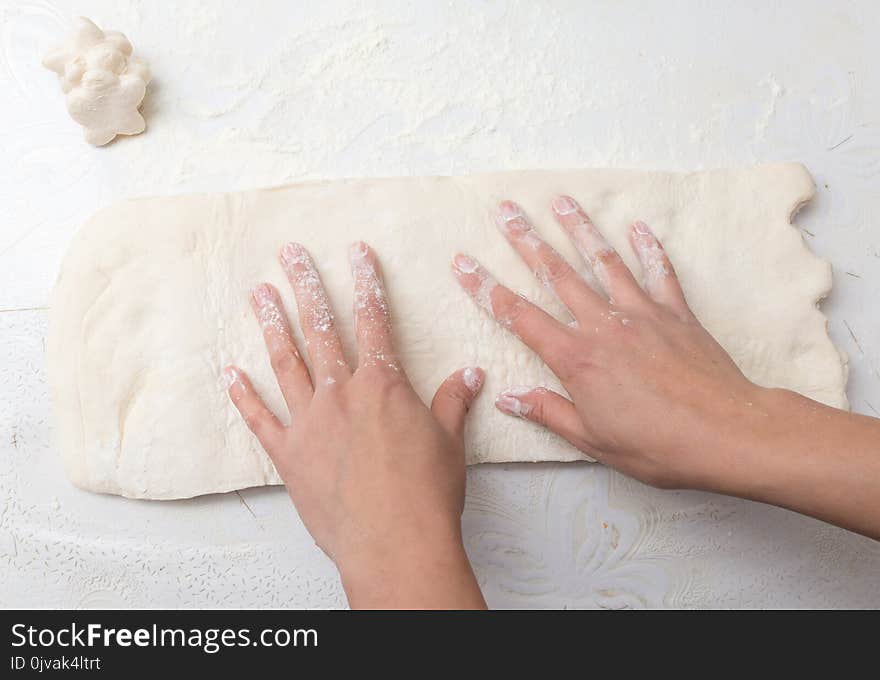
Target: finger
[(259, 419), (547, 408), (290, 370), (454, 397), (372, 322), (661, 282), (610, 271), (530, 323), (548, 265), (315, 316)]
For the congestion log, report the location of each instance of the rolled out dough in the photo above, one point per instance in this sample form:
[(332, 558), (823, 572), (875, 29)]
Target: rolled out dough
[(152, 300)]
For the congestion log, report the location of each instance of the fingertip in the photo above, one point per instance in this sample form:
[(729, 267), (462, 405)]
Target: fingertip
[(454, 397), (291, 253), (464, 264), (509, 210), (358, 250), (473, 378), (512, 406), (641, 229), (230, 377), (511, 402), (258, 418), (511, 220), (262, 293), (564, 205)]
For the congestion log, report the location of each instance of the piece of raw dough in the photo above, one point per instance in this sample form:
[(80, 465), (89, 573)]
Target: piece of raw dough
[(103, 83), (152, 301)]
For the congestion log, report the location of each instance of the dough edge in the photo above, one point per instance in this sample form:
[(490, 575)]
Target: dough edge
[(65, 333)]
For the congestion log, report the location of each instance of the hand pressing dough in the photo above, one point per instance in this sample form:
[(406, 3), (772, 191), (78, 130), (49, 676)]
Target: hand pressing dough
[(152, 301)]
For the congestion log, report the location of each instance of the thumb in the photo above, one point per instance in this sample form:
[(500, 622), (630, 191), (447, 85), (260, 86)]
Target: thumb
[(454, 397), (546, 408)]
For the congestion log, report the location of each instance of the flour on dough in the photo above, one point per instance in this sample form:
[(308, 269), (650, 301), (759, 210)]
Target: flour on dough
[(152, 300)]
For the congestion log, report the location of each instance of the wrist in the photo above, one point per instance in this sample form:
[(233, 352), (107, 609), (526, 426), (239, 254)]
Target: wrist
[(813, 459), (735, 454), (431, 572), (753, 461)]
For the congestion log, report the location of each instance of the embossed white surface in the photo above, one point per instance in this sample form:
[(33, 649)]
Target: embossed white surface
[(379, 89)]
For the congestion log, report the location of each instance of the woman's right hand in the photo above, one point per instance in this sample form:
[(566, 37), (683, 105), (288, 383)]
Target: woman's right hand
[(647, 381), (655, 396)]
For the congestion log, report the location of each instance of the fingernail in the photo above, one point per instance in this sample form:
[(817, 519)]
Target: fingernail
[(228, 376), (563, 205), (472, 378), (509, 210), (512, 406), (516, 226), (292, 253), (510, 218), (262, 294), (641, 228), (357, 250), (465, 264)]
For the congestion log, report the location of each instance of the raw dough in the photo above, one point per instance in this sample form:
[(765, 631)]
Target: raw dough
[(152, 301), (103, 83)]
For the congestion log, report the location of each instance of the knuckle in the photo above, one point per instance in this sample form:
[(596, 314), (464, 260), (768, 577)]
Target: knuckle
[(557, 270), (518, 225), (284, 362), (457, 391), (317, 316), (570, 361), (611, 260), (386, 381), (254, 422), (511, 310), (537, 408), (390, 390)]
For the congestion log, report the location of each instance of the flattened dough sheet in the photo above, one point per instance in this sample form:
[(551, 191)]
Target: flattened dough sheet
[(152, 301)]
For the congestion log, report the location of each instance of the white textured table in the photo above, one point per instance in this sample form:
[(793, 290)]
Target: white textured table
[(245, 98)]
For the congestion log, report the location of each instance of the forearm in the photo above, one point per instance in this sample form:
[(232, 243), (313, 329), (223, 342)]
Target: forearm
[(812, 459), (435, 576)]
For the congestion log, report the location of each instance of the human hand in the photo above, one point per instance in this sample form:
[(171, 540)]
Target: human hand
[(377, 477), (652, 393)]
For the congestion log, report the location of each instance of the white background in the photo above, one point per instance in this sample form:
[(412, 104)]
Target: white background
[(260, 93)]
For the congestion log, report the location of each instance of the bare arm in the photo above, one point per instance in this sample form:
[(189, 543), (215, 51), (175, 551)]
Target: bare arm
[(655, 396), (816, 460)]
